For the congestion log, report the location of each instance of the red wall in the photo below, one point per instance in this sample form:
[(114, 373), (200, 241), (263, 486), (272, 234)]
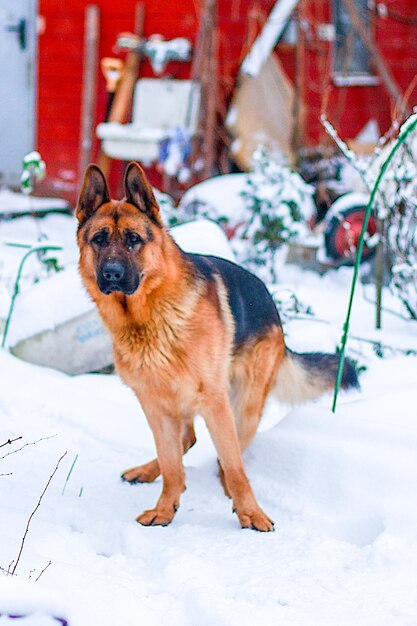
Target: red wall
[(351, 107), (61, 56), (60, 72)]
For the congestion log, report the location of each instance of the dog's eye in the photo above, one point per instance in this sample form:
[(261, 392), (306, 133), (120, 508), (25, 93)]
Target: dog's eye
[(100, 239), (132, 239)]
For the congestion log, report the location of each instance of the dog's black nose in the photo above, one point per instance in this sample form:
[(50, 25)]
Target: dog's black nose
[(113, 271)]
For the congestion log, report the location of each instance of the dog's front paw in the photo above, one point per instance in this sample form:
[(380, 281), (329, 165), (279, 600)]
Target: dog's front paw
[(257, 520), (157, 517)]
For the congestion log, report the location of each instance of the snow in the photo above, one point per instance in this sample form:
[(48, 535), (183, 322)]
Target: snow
[(51, 228), (203, 237), (221, 193), (12, 202), (59, 298), (348, 201), (17, 597), (341, 489)]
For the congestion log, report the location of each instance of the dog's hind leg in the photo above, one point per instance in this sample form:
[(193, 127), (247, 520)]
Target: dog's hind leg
[(148, 472), (253, 375)]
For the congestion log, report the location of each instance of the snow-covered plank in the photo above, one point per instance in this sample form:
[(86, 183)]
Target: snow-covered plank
[(12, 203), (267, 39)]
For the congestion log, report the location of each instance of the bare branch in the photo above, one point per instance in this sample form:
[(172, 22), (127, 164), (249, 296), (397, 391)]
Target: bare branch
[(34, 511), (31, 443), (10, 441), (378, 345), (5, 571), (44, 570), (360, 167)]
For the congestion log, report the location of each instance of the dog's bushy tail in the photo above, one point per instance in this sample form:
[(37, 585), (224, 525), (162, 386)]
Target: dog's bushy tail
[(303, 377)]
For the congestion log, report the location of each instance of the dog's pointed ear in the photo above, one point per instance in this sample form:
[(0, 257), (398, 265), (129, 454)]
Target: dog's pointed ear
[(139, 192), (93, 194)]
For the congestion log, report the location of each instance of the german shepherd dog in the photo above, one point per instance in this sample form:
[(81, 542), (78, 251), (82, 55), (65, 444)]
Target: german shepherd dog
[(192, 335)]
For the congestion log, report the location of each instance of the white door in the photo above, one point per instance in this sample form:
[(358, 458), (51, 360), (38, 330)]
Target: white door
[(18, 66)]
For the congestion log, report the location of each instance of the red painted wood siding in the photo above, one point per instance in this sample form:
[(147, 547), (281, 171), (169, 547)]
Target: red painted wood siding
[(60, 72), (61, 55), (351, 107)]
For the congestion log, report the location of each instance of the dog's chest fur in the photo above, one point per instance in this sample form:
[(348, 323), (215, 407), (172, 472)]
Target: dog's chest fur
[(153, 359), (171, 357), (150, 347)]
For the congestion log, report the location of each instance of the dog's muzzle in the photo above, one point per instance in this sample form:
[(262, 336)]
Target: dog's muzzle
[(113, 272), (113, 277)]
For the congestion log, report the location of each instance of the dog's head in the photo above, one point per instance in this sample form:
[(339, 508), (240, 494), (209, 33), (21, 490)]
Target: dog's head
[(114, 235)]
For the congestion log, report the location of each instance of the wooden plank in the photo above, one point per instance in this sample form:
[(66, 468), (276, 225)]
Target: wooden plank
[(299, 85), (210, 139), (123, 96), (91, 38), (205, 70)]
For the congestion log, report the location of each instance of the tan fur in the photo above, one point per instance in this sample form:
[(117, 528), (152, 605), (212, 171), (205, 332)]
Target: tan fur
[(148, 472), (253, 374), (294, 385)]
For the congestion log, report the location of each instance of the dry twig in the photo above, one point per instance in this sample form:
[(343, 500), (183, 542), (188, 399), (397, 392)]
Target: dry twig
[(13, 571), (44, 570), (31, 443), (10, 441)]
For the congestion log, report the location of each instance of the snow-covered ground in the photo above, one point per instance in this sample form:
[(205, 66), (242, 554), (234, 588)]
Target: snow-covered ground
[(12, 203), (340, 488)]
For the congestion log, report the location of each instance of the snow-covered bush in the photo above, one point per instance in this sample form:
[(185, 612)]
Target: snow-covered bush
[(175, 216), (396, 203), (185, 212), (217, 198), (268, 207), (402, 241), (167, 206), (277, 205)]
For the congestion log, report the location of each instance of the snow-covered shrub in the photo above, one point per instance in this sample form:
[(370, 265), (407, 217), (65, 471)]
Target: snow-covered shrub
[(397, 204), (166, 204), (271, 207), (277, 205), (402, 242), (186, 212), (289, 305), (193, 211), (218, 199)]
